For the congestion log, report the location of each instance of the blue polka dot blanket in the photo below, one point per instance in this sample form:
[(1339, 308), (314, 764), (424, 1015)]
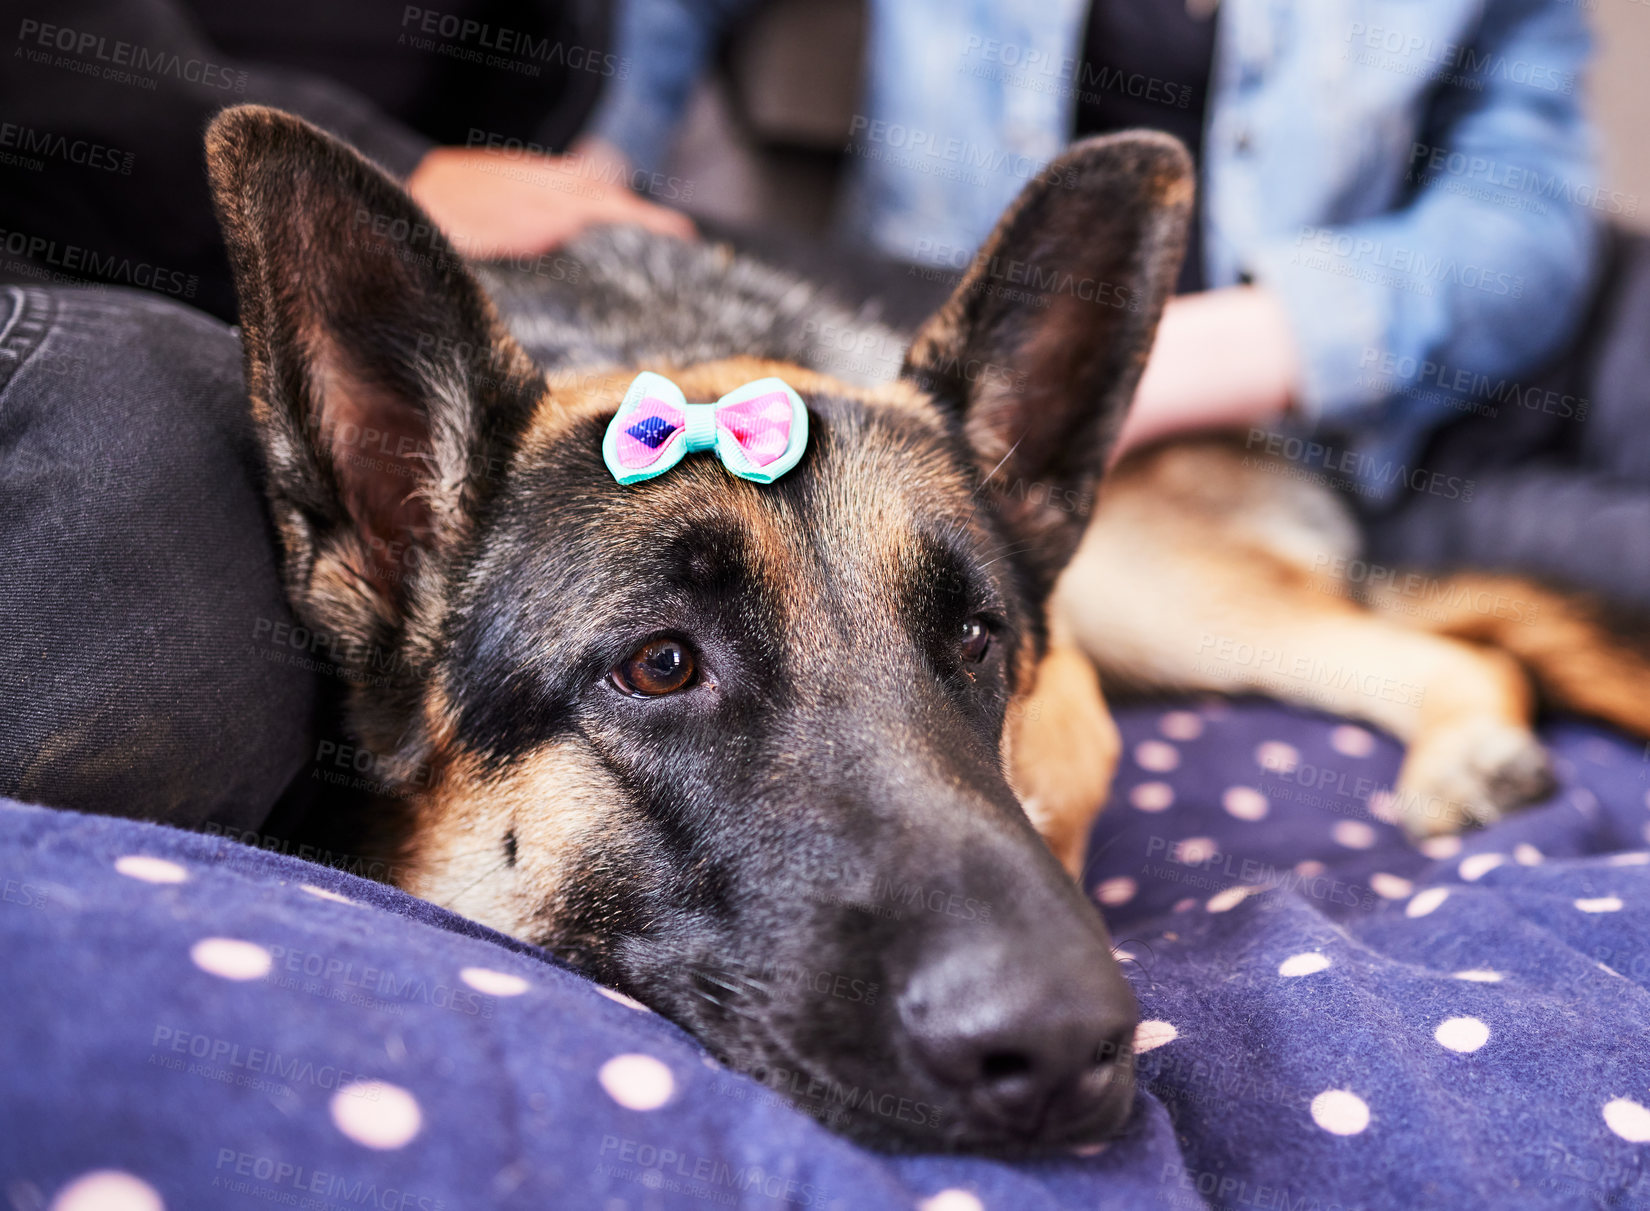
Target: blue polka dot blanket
[(1331, 1017)]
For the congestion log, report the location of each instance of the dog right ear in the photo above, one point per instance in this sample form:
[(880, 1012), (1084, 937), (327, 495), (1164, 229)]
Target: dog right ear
[(1038, 350), (386, 392)]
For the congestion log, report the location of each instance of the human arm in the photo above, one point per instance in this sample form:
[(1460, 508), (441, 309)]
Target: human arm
[(1480, 267)]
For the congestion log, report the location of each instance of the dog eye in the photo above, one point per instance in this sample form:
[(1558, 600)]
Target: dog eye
[(660, 666), (975, 640)]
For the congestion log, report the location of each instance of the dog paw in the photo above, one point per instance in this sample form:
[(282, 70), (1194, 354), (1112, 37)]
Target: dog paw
[(1470, 774)]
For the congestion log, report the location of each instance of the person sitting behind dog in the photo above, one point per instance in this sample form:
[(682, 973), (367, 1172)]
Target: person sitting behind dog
[(1396, 242)]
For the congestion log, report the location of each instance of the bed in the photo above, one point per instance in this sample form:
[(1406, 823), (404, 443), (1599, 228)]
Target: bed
[(1331, 1016)]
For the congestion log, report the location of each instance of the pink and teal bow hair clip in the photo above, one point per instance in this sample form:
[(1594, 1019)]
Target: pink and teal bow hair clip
[(759, 431)]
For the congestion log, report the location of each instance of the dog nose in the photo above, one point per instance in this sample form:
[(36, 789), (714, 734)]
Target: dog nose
[(1031, 1051)]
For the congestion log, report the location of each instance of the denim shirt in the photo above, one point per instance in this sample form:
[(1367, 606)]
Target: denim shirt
[(1415, 180)]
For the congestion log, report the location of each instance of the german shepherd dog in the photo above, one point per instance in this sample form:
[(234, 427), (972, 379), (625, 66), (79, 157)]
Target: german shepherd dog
[(688, 734)]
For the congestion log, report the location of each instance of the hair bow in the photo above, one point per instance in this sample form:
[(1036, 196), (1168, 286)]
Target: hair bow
[(759, 431)]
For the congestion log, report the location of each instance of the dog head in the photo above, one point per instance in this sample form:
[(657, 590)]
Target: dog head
[(736, 750)]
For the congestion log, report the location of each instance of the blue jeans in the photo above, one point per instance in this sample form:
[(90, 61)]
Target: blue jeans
[(138, 575)]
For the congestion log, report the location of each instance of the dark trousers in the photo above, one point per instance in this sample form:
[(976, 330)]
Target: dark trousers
[(1559, 462), (138, 584)]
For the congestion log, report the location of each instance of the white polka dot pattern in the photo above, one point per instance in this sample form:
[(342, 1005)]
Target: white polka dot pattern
[(637, 1082), (1225, 901), (1152, 1034), (1354, 834), (1462, 1034), (615, 995), (1478, 865), (321, 893), (107, 1190), (1152, 797), (1112, 892), (151, 870), (231, 958), (1181, 725), (1390, 886), (1306, 964), (1278, 757), (493, 983), (1600, 904), (1351, 741), (1628, 1119), (1340, 1112), (1245, 803), (1194, 851), (377, 1114), (1440, 849), (1426, 902), (1157, 756)]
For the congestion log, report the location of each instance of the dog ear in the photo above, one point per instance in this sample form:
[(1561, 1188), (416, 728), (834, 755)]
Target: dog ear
[(386, 391), (1038, 350)]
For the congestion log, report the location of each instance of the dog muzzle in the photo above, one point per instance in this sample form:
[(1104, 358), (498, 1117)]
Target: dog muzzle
[(759, 431)]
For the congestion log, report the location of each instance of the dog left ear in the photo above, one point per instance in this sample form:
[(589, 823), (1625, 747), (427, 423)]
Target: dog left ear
[(1039, 349), (385, 389)]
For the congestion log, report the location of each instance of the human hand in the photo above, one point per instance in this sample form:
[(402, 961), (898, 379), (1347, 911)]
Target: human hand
[(1223, 358), (494, 204)]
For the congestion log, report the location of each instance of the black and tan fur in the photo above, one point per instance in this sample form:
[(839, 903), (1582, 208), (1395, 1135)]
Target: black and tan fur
[(482, 573), (445, 513)]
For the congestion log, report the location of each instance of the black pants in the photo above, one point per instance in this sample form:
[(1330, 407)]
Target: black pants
[(138, 588), (1559, 462)]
